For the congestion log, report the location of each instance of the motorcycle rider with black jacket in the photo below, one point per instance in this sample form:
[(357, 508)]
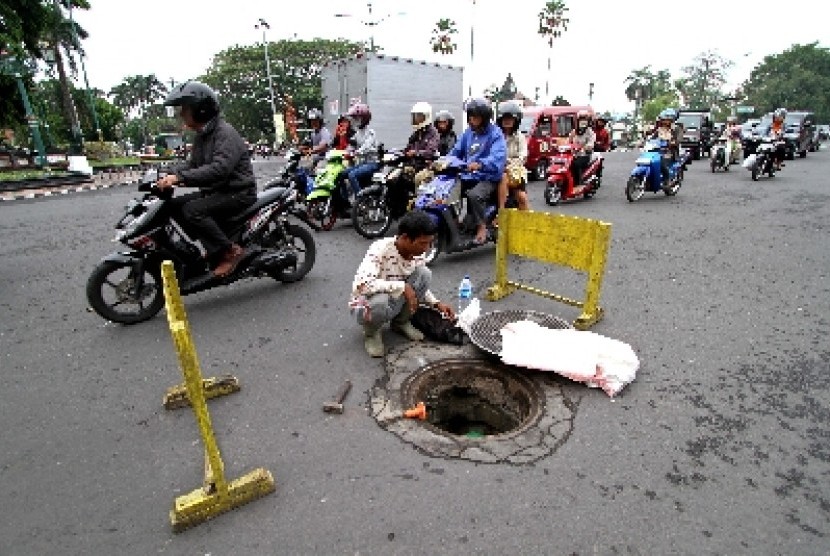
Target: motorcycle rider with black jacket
[(219, 165)]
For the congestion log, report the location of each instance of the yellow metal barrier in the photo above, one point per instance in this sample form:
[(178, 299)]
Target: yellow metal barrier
[(578, 243), (217, 495)]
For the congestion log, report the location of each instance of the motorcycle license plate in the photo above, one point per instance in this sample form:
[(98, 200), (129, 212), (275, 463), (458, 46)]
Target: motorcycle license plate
[(643, 161)]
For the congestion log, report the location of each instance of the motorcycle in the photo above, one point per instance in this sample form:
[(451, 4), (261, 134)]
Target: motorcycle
[(763, 160), (388, 198), (561, 185), (441, 199), (647, 175), (721, 155), (294, 175), (125, 287), (328, 199)]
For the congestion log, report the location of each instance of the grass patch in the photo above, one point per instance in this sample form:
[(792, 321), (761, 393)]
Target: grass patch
[(18, 175), (115, 162)]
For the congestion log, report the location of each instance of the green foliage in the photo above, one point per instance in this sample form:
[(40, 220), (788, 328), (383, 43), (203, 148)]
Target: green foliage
[(798, 78), (560, 101), (646, 84), (701, 85), (103, 151), (238, 75), (22, 25), (653, 107), (552, 20), (442, 36)]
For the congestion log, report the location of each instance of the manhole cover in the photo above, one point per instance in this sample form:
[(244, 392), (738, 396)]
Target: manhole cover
[(477, 408)]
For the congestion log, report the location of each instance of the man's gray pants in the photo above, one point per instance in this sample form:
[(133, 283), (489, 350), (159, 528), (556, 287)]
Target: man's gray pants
[(478, 197), (383, 307)]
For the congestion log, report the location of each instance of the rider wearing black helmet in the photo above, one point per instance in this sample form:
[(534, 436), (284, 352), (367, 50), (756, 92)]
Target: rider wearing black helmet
[(219, 165), (447, 137), (483, 147), (514, 181)]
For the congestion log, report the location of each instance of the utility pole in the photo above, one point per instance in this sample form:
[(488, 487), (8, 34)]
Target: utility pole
[(590, 93), (264, 25)]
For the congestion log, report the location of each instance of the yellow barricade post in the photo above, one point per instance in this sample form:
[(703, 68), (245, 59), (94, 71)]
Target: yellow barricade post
[(578, 243), (217, 495)]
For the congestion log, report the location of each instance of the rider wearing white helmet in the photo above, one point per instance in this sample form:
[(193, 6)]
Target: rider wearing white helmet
[(424, 139)]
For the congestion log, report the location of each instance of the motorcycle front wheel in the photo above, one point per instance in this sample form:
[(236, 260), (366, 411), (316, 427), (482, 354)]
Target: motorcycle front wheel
[(371, 216), (635, 188), (300, 240), (111, 293), (553, 194), (321, 210), (755, 173)]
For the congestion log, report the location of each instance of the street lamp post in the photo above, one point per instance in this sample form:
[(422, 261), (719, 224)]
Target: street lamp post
[(371, 23), (264, 25)]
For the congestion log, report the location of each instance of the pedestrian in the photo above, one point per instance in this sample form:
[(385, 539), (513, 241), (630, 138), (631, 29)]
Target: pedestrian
[(392, 280)]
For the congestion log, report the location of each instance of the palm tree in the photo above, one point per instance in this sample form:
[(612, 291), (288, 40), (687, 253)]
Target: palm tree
[(442, 37), (63, 35), (552, 23)]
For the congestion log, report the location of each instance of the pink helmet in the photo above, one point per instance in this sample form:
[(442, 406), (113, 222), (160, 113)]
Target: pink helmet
[(361, 113)]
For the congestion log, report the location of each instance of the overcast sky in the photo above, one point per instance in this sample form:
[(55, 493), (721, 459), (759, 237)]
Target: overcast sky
[(605, 40)]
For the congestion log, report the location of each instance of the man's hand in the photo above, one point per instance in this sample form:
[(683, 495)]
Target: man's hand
[(168, 181), (446, 310), (411, 298), (473, 166)]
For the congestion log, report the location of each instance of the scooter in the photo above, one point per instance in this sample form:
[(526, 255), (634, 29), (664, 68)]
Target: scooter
[(125, 286), (442, 199), (763, 160), (328, 199), (560, 180), (647, 175), (720, 159), (294, 175)]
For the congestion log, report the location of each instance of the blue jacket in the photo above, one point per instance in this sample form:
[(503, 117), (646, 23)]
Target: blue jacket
[(487, 148)]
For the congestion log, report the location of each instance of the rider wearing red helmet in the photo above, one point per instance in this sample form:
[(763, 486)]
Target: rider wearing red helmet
[(366, 146)]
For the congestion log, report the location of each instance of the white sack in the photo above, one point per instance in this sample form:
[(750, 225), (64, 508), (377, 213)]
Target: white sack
[(749, 162)]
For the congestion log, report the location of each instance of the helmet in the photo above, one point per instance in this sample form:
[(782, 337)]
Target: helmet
[(198, 96), (479, 107), (732, 119), (668, 114), (421, 108), (445, 116), (360, 113), (583, 116), (510, 108), (780, 113), (314, 114)]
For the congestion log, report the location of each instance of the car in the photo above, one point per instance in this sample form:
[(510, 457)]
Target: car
[(800, 133), (697, 131)]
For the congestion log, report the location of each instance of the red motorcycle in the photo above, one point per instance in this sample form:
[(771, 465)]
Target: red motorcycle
[(561, 185)]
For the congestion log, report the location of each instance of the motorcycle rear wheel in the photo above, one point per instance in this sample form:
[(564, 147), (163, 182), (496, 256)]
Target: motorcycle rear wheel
[(755, 173), (634, 188), (300, 239), (371, 216), (553, 194), (108, 289)]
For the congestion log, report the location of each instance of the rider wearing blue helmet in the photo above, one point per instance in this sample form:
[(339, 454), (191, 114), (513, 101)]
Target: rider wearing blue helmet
[(668, 131)]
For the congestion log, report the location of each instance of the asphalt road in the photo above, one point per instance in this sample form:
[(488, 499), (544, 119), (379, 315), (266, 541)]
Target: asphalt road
[(720, 446)]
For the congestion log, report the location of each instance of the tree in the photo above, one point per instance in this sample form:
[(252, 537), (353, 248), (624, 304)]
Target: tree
[(653, 107), (560, 101), (701, 85), (238, 76), (798, 78), (552, 23), (135, 95), (497, 94), (442, 36)]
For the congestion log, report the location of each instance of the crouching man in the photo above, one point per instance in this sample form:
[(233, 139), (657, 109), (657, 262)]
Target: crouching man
[(392, 280)]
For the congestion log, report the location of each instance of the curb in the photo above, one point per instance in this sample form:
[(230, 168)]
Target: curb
[(58, 191)]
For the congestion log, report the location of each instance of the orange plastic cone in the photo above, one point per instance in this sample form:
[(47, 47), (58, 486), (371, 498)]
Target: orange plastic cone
[(418, 412)]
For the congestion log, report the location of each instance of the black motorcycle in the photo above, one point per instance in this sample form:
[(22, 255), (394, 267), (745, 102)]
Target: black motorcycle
[(294, 175), (126, 287), (390, 195)]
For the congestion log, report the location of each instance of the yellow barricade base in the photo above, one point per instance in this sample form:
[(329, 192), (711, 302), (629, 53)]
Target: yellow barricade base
[(578, 243), (213, 387), (197, 507)]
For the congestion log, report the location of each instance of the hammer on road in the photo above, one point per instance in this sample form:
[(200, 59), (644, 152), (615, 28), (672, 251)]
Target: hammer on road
[(336, 405)]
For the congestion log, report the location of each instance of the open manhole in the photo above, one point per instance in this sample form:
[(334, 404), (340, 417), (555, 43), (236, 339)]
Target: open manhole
[(477, 408), (473, 397)]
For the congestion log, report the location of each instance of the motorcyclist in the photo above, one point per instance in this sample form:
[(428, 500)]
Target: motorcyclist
[(603, 138), (583, 138), (447, 137), (776, 132), (732, 133), (514, 179), (219, 165), (366, 146), (343, 134), (667, 131), (483, 148), (424, 139), (318, 143)]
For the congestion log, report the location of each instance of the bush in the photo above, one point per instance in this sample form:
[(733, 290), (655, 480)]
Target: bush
[(102, 151)]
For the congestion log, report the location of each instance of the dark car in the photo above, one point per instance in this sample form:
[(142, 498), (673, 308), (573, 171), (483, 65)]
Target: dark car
[(697, 131), (800, 133)]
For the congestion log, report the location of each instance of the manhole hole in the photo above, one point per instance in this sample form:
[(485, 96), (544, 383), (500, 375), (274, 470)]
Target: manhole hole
[(477, 408), (473, 397)]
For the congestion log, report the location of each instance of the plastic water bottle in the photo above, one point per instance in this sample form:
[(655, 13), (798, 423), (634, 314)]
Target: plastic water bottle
[(465, 293)]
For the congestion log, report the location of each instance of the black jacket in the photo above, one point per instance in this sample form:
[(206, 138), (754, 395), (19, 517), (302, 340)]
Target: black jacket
[(219, 162), (446, 142)]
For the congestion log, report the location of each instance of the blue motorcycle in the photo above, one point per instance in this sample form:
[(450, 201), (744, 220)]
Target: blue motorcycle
[(442, 199), (647, 175)]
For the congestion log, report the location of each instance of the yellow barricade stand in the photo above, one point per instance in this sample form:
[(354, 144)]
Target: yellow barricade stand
[(578, 243), (217, 495)]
